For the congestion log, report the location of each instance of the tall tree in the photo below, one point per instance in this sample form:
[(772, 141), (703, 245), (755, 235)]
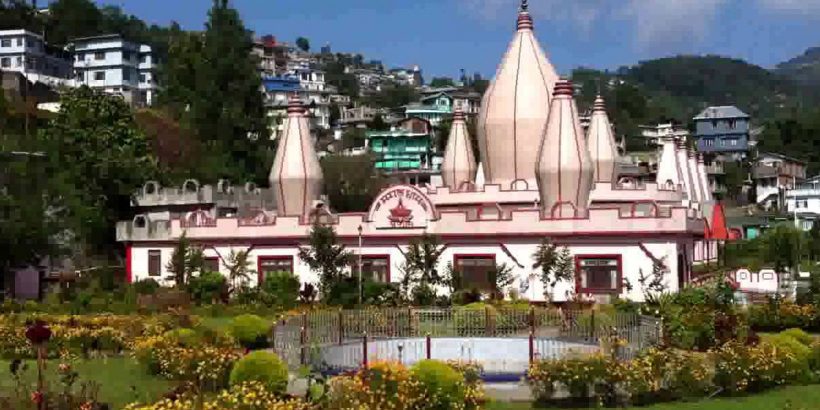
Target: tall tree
[(303, 44), (101, 158), (211, 80), (351, 182), (68, 19)]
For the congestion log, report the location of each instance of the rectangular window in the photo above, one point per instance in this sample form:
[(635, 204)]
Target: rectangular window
[(271, 264), (126, 55), (126, 75), (598, 274), (474, 270), (5, 62), (19, 62), (5, 42), (376, 268), (99, 75), (211, 265), (154, 263), (99, 55), (142, 78), (143, 58)]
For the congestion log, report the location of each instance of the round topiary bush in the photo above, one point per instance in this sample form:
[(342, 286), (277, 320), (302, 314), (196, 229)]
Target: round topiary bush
[(800, 335), (183, 337), (250, 331), (263, 367), (443, 385)]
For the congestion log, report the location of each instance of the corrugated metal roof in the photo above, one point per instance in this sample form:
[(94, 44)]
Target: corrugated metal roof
[(725, 111)]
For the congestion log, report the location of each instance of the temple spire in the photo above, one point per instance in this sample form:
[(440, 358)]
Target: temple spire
[(459, 166), (514, 110), (601, 141), (296, 176), (564, 167)]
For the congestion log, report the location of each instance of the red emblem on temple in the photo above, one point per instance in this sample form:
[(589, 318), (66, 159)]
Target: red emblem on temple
[(401, 216)]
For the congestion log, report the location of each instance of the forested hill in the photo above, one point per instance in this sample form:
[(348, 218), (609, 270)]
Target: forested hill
[(803, 69)]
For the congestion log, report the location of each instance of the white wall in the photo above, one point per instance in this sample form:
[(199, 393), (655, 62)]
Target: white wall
[(633, 261)]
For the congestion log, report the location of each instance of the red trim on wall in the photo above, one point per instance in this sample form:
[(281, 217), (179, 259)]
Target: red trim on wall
[(589, 291), (389, 263), (129, 274), (262, 258)]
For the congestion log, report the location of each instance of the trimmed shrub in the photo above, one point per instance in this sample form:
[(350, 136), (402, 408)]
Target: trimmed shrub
[(263, 367), (183, 337), (800, 335), (250, 331), (443, 385), (280, 289), (790, 344), (146, 286), (814, 357)]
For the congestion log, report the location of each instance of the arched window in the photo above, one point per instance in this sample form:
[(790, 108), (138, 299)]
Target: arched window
[(190, 186), (140, 221), (150, 188)]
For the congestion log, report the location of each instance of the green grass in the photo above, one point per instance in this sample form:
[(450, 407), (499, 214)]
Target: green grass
[(116, 376), (789, 398)]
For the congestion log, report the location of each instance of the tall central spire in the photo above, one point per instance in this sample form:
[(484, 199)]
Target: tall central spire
[(514, 110)]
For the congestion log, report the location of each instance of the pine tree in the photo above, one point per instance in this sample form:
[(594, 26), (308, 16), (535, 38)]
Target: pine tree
[(213, 84)]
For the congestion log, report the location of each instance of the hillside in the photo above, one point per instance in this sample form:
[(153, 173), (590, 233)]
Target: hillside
[(803, 69)]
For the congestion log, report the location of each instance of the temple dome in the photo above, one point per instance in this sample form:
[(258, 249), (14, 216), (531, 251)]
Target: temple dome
[(459, 166), (564, 167), (296, 176), (514, 110), (601, 141)]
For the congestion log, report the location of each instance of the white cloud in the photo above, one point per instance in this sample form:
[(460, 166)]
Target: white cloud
[(654, 23)]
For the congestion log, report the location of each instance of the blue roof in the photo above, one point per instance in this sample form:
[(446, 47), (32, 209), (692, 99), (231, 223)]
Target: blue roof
[(281, 84)]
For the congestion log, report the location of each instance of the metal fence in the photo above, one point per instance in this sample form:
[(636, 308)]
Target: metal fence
[(344, 340)]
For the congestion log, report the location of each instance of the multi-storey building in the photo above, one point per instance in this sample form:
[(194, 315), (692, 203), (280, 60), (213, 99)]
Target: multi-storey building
[(273, 56), (773, 173), (407, 76), (26, 52), (114, 65), (148, 83), (277, 92), (723, 131), (803, 202), (406, 149)]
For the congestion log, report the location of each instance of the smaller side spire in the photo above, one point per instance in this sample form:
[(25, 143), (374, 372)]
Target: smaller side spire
[(296, 175), (601, 141), (459, 166), (564, 167)]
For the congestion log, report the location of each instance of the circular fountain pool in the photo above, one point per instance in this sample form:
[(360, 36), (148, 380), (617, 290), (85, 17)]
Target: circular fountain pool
[(502, 359)]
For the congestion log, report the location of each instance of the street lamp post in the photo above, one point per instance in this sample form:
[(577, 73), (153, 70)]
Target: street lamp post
[(360, 265)]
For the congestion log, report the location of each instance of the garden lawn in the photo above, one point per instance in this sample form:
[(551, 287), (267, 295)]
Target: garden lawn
[(122, 380), (788, 398)]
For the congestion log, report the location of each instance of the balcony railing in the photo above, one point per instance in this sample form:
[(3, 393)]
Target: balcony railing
[(715, 169)]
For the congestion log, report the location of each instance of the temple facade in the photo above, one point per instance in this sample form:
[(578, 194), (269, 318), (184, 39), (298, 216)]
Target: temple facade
[(537, 176)]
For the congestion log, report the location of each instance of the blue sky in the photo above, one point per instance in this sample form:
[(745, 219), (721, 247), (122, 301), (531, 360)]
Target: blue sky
[(443, 36)]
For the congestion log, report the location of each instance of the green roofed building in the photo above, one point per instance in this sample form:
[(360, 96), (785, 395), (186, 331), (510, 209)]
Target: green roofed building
[(406, 148)]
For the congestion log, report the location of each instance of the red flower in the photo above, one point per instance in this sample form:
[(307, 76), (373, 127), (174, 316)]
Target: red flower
[(37, 397), (39, 333)]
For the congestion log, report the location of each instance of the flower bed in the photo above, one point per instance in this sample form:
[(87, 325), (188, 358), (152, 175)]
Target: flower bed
[(78, 334), (671, 374), (778, 316), (247, 396)]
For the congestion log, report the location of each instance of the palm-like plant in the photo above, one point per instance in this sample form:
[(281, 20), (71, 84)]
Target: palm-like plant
[(326, 256), (239, 271)]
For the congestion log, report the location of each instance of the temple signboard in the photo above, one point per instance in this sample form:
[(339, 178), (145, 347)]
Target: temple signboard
[(401, 207)]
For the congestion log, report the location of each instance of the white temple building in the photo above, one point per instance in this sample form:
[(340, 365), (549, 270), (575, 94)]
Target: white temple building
[(536, 176)]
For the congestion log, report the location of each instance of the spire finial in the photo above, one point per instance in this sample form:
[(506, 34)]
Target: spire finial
[(524, 18)]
